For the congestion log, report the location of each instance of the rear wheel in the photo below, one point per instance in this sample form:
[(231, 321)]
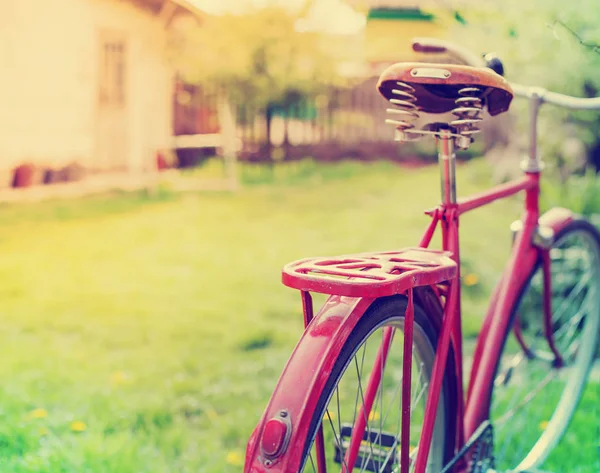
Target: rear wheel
[(533, 399), (342, 397)]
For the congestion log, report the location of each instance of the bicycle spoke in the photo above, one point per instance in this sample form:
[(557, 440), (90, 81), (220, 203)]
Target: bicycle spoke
[(530, 395), (580, 285), (569, 333), (310, 457), (500, 421), (358, 374), (365, 415), (339, 417), (418, 396), (379, 395), (394, 394), (338, 440)]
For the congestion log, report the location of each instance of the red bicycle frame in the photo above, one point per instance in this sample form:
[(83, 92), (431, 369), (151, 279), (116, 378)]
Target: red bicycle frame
[(472, 412), (287, 419)]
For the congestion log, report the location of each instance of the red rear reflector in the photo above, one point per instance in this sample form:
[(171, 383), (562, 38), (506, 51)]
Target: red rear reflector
[(274, 437)]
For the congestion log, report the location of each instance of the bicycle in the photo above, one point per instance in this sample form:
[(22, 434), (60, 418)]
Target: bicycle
[(355, 395)]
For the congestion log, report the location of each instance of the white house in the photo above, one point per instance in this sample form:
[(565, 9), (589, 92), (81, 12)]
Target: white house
[(86, 81)]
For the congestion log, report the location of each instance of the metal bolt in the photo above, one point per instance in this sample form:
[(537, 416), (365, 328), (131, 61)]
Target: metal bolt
[(283, 413), (268, 463), (463, 142)]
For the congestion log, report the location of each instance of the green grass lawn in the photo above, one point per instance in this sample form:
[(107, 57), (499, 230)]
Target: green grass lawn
[(145, 334)]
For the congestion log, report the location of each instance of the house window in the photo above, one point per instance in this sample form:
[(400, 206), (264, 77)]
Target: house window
[(112, 72)]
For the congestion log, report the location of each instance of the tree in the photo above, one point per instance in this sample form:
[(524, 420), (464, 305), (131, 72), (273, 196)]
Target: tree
[(548, 43), (258, 57)]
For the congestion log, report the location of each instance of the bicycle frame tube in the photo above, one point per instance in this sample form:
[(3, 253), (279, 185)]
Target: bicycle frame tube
[(524, 255), (489, 344)]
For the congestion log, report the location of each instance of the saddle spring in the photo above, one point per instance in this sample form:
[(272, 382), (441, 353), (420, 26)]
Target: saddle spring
[(469, 110), (406, 111)]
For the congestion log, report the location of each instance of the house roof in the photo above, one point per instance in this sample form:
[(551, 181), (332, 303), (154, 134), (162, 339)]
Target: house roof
[(190, 6), (158, 7)]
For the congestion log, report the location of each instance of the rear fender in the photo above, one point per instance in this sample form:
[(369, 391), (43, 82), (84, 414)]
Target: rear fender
[(303, 379), (556, 218)]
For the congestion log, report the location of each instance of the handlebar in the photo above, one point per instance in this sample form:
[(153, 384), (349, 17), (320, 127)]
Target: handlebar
[(554, 98), (538, 94)]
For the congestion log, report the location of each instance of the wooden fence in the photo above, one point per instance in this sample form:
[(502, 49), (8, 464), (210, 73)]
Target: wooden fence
[(341, 122)]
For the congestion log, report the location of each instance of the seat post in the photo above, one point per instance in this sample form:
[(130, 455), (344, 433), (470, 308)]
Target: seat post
[(447, 161)]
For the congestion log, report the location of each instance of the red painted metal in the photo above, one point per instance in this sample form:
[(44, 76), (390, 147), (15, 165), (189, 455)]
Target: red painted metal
[(548, 307), (370, 274), (274, 436), (485, 328), (320, 447), (368, 399), (522, 257), (303, 379), (452, 244), (437, 376), (554, 219), (447, 160), (498, 192), (426, 239), (523, 260), (532, 197), (355, 282), (406, 384), (307, 307), (518, 333)]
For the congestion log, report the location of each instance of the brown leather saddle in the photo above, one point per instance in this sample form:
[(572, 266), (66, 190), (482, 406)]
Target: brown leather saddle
[(439, 88)]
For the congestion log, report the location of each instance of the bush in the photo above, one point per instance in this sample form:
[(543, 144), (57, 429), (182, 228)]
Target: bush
[(579, 193)]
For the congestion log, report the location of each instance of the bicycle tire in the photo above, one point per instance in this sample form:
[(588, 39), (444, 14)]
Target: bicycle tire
[(551, 429), (426, 331)]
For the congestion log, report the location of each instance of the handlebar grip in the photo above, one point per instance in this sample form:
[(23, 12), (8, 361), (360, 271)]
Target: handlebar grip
[(426, 45)]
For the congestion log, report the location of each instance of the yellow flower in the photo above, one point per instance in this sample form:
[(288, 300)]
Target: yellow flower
[(543, 425), (374, 415), (471, 279), (38, 413), (118, 378), (78, 426), (326, 416), (43, 431), (234, 458)]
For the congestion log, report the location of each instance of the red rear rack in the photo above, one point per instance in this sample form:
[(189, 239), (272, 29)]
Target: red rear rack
[(373, 275)]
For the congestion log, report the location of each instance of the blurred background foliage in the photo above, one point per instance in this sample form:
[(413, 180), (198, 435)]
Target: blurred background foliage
[(551, 44), (265, 56), (259, 56), (320, 83)]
